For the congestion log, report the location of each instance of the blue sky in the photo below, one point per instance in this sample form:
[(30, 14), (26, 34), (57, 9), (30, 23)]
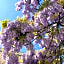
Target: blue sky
[(7, 10)]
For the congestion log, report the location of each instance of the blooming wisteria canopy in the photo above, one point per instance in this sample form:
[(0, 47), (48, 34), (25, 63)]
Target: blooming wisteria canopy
[(41, 23)]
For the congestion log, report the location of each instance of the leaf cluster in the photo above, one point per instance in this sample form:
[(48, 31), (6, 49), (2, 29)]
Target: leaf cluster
[(43, 5), (4, 23)]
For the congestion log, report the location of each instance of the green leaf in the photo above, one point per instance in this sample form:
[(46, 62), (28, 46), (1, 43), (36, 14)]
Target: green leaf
[(56, 61), (44, 62), (4, 23), (61, 2), (43, 5), (22, 20)]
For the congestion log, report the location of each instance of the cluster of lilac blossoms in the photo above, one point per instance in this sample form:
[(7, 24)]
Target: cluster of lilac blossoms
[(43, 29)]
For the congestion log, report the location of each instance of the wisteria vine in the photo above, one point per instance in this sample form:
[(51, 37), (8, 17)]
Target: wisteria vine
[(41, 23)]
